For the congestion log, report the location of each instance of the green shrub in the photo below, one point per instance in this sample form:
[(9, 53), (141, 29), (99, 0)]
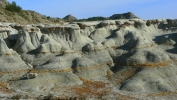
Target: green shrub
[(13, 7), (48, 17)]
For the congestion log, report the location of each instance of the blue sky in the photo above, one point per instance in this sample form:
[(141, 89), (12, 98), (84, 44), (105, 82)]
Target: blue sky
[(146, 9)]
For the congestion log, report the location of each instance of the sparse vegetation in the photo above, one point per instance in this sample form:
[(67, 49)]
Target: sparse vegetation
[(13, 7), (159, 64), (94, 19), (4, 87), (48, 17), (91, 89)]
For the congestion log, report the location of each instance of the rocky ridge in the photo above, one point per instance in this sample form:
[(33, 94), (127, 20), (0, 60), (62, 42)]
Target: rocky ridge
[(103, 59), (70, 18)]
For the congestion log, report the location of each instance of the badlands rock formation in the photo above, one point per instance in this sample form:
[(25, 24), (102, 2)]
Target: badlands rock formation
[(118, 59)]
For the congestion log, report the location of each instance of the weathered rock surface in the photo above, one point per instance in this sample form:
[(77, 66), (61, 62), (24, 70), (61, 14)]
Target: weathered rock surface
[(107, 58)]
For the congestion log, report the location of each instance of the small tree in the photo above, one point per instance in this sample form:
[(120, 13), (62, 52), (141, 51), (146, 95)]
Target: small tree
[(48, 17), (13, 7)]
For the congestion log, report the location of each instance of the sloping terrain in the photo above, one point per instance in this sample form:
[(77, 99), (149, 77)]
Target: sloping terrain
[(26, 17), (113, 59), (3, 3)]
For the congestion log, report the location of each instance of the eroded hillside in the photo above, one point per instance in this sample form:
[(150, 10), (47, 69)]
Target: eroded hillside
[(26, 17), (118, 59)]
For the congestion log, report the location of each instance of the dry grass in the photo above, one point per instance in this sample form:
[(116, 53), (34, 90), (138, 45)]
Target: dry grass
[(42, 52), (91, 89), (8, 54), (46, 71), (66, 52), (162, 94), (124, 75), (109, 75), (4, 87), (98, 89), (114, 47), (159, 64), (14, 72)]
